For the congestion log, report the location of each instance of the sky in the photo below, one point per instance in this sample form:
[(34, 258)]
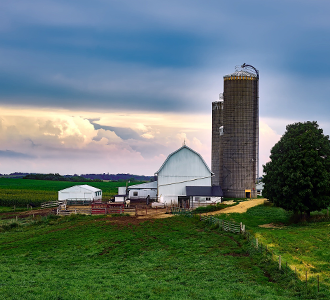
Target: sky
[(109, 86)]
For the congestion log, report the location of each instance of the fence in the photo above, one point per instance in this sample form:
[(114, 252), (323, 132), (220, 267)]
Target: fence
[(106, 208), (78, 201), (310, 284), (51, 204)]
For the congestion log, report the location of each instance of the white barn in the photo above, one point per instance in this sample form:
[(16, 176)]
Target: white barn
[(184, 167), (80, 192)]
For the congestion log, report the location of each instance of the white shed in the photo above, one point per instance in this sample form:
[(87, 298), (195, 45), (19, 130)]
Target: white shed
[(260, 187), (143, 190), (80, 192), (122, 194), (184, 167)]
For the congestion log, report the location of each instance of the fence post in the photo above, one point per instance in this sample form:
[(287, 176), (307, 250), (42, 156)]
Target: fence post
[(16, 218), (279, 263), (136, 210), (146, 210)]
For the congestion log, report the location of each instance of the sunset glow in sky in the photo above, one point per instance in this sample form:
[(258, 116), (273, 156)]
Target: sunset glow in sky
[(115, 86)]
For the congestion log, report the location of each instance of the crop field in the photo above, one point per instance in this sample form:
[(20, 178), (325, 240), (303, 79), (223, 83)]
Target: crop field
[(88, 257), (304, 246), (21, 192)]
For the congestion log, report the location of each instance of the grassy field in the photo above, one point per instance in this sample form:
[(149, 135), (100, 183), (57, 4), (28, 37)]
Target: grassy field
[(85, 257), (21, 192), (304, 246)]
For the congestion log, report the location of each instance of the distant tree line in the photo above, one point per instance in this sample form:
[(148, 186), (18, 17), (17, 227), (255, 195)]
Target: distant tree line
[(89, 177), (120, 177), (58, 177)]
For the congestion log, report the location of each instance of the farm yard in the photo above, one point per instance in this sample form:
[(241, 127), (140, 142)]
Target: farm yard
[(129, 257)]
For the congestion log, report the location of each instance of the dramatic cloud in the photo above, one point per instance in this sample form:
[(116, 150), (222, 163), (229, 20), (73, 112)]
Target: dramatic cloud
[(118, 85), (67, 142)]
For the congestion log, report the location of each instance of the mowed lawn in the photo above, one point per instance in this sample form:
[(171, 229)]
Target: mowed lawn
[(304, 246), (88, 257)]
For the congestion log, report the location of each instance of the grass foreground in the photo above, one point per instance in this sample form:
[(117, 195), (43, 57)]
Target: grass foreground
[(98, 257), (304, 246)]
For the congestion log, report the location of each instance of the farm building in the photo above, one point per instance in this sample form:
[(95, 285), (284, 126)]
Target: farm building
[(122, 194), (142, 191), (137, 192), (203, 195), (184, 178), (80, 192), (260, 187)]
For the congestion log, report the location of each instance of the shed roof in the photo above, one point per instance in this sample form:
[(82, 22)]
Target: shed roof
[(209, 191), (183, 147), (147, 185), (83, 186)]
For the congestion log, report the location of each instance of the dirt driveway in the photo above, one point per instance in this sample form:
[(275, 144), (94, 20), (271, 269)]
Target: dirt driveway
[(240, 208)]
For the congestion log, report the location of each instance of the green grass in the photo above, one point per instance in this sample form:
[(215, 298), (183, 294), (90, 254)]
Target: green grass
[(21, 192), (209, 208), (304, 246), (88, 257)]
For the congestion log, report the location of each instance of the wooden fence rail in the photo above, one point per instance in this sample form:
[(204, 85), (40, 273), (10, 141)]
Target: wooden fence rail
[(51, 204)]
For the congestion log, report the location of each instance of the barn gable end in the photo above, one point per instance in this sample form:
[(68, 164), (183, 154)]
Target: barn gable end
[(184, 167)]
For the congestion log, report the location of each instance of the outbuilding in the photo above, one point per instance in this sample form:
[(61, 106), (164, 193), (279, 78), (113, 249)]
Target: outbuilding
[(143, 190), (203, 195), (260, 187), (122, 194), (80, 192)]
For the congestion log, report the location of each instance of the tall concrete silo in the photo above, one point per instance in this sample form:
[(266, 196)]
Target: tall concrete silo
[(235, 134)]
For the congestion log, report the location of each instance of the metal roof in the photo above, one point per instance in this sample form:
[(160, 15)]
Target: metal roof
[(241, 73), (184, 146), (147, 185), (209, 191), (84, 186)]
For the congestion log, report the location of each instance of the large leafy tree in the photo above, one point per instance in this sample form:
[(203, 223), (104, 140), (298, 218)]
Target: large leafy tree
[(298, 176)]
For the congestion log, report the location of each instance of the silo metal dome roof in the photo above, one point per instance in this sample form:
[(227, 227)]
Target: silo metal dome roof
[(241, 73)]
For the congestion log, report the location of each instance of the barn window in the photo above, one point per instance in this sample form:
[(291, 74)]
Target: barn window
[(208, 198), (135, 193)]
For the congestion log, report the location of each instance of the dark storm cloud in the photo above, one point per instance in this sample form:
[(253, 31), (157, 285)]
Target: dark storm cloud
[(163, 56), (13, 154)]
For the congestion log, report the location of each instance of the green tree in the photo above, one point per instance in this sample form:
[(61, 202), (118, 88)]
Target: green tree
[(298, 176)]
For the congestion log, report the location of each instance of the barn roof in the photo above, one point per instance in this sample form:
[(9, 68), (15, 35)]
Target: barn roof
[(83, 186), (209, 191), (184, 146)]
